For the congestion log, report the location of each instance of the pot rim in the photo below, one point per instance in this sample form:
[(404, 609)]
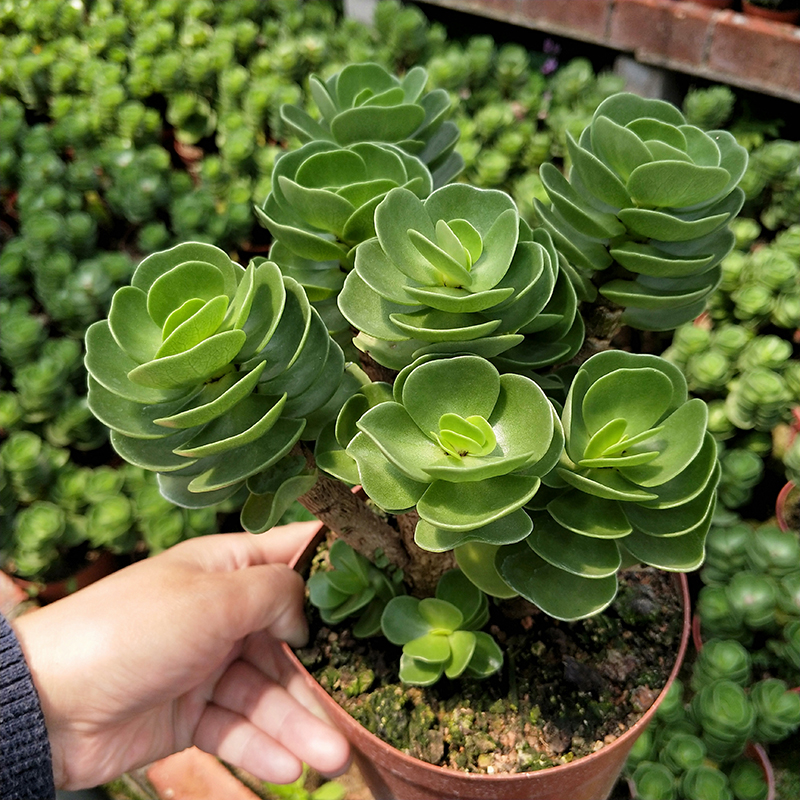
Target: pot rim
[(406, 760)]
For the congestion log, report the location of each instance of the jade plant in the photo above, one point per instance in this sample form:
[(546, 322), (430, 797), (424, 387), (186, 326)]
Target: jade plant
[(504, 448)]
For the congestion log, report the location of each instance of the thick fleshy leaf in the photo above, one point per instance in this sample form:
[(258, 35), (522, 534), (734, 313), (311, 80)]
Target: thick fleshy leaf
[(605, 185), (401, 621), (454, 587), (646, 259), (607, 484), (558, 593), (667, 227), (155, 455), (462, 647), (687, 484), (432, 648), (128, 416), (109, 365), (186, 281), (214, 400), (619, 395), (204, 361), (131, 326), (513, 527), (201, 325), (590, 515), (580, 555), (438, 326), (174, 487), (675, 184), (229, 467), (405, 445), (677, 445), (675, 553), (575, 209), (620, 148), (383, 482), (465, 386), (419, 673), (487, 658), (477, 561), (440, 615), (157, 264), (465, 506)]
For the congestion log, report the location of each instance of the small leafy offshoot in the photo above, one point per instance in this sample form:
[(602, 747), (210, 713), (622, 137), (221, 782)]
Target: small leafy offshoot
[(353, 586), (440, 635)]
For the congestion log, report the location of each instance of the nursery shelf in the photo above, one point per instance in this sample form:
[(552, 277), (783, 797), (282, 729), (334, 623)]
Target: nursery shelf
[(680, 35)]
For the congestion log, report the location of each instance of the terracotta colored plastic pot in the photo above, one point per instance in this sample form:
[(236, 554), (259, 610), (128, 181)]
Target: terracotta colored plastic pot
[(104, 563), (790, 17), (713, 3), (392, 775), (787, 499)]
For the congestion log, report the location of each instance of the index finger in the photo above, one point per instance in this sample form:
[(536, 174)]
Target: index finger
[(232, 551)]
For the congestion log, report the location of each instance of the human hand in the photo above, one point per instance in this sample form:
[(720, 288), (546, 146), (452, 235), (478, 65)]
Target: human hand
[(182, 649)]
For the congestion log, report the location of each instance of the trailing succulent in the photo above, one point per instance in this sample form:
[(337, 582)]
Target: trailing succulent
[(644, 212), (207, 373)]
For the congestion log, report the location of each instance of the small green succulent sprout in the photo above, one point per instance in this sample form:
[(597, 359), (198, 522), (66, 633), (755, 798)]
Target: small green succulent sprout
[(459, 272), (721, 658), (206, 372), (365, 103), (747, 780), (646, 207), (726, 716), (440, 635), (636, 483), (777, 710), (352, 586), (323, 196), (654, 781), (463, 444), (681, 752), (705, 782)]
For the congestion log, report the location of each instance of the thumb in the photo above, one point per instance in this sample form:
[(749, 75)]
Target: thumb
[(267, 597)]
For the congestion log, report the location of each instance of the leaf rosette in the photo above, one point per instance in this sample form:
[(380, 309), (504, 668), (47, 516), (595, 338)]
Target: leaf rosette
[(459, 272), (207, 373), (324, 196), (440, 635), (463, 444), (636, 483), (648, 200), (365, 103)]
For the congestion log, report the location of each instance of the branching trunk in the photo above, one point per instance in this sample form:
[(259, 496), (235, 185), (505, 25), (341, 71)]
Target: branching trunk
[(424, 568), (345, 513), (602, 320)]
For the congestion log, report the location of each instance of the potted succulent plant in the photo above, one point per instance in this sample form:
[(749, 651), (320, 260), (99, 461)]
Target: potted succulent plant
[(414, 336)]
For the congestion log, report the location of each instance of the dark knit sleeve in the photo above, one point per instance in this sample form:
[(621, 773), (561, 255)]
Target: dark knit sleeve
[(26, 771)]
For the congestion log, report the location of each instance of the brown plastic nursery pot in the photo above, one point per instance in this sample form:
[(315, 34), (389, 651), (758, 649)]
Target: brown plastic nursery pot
[(103, 563), (785, 505), (393, 775), (788, 16)]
